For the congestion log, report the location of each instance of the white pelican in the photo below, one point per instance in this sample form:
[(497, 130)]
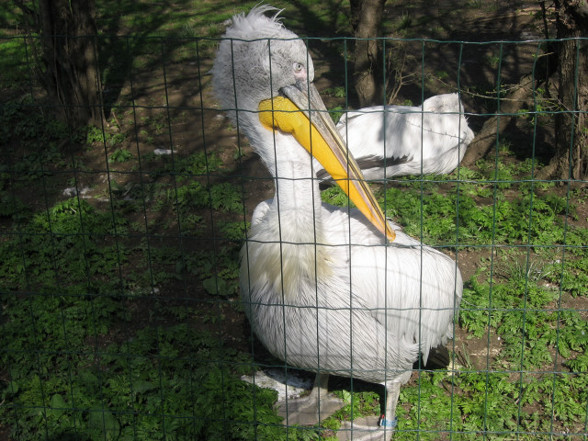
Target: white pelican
[(322, 287), (392, 141)]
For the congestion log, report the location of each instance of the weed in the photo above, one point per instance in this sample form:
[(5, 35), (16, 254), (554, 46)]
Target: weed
[(442, 75), (150, 376), (94, 135), (226, 197), (338, 92), (335, 196), (190, 196), (223, 197), (197, 164), (404, 22), (13, 65), (493, 60), (336, 113), (97, 135), (120, 155), (12, 207), (233, 230), (358, 404)]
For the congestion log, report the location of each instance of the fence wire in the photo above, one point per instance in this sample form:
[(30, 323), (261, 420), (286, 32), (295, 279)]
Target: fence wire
[(121, 317)]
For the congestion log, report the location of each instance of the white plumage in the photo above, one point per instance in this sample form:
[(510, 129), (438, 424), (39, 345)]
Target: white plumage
[(322, 288), (390, 141)]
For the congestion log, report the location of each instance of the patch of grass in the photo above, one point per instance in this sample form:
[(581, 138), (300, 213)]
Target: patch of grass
[(14, 66), (517, 219), (198, 164), (120, 155), (335, 196), (133, 389), (572, 274), (490, 402), (338, 92), (518, 312), (75, 273), (13, 207), (63, 305), (23, 121), (223, 197), (357, 405), (493, 60), (97, 135)]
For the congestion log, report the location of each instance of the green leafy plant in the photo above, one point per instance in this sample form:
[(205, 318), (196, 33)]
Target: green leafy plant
[(98, 135), (120, 155)]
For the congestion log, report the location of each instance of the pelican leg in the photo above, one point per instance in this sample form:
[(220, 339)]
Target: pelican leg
[(313, 408), (373, 428), (388, 419)]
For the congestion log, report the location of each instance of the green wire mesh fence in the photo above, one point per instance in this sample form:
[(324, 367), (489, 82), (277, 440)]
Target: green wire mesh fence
[(121, 317)]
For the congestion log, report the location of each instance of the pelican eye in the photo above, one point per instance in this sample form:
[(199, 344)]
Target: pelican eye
[(298, 67)]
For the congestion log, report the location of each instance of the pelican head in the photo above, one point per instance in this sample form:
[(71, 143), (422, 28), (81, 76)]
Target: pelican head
[(259, 57), (263, 77)]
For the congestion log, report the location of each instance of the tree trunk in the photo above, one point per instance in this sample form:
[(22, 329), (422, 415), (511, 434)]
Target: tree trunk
[(69, 53), (571, 153), (366, 17), (485, 140)]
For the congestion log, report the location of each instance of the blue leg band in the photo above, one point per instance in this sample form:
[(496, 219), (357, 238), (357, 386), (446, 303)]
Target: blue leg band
[(390, 424)]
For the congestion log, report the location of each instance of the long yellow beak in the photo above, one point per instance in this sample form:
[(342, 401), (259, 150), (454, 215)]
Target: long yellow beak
[(305, 116)]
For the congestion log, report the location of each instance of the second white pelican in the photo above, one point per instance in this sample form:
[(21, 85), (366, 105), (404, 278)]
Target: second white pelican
[(390, 141), (322, 287)]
